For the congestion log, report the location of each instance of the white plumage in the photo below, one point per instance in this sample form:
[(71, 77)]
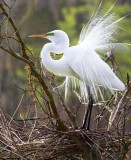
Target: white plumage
[(81, 64)]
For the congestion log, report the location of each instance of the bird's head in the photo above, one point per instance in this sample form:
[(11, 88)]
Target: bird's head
[(56, 36)]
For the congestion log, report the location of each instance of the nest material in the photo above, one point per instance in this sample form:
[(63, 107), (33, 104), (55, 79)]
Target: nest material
[(43, 141)]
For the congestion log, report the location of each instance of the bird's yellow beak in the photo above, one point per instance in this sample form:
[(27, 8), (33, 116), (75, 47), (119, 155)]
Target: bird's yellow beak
[(43, 35)]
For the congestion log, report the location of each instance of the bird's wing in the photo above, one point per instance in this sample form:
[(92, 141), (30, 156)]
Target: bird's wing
[(89, 70), (94, 72)]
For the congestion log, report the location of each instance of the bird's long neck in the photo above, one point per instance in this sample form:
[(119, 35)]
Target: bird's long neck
[(51, 64)]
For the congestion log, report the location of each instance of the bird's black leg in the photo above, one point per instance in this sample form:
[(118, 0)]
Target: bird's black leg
[(87, 119)]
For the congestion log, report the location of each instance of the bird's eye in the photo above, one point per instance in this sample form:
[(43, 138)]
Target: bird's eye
[(50, 34)]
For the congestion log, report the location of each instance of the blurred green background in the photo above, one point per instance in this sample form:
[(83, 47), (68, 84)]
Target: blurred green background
[(39, 16)]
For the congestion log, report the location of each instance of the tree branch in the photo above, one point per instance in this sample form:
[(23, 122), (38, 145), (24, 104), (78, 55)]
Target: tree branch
[(25, 58), (15, 30)]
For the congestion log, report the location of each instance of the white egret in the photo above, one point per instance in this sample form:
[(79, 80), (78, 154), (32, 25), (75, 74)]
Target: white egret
[(81, 64)]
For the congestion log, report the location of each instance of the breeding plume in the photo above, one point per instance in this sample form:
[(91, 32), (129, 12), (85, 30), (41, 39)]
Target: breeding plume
[(82, 65)]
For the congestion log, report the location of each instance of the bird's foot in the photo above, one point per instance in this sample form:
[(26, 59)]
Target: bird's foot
[(84, 128)]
